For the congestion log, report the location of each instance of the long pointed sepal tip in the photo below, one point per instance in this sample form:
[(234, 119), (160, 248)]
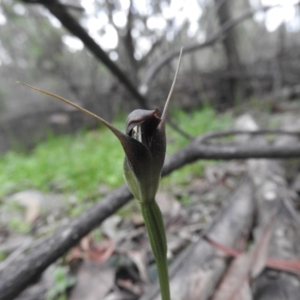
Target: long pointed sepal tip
[(164, 114), (117, 132)]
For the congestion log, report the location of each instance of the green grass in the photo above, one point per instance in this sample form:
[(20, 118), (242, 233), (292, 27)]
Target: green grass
[(62, 282), (78, 164), (71, 164), (195, 123)]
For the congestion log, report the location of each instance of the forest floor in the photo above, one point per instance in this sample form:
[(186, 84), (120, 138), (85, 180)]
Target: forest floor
[(115, 261)]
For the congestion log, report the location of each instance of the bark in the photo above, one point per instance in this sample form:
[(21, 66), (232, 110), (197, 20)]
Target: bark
[(197, 150), (72, 25), (196, 272), (233, 90), (22, 272), (272, 196), (129, 46)]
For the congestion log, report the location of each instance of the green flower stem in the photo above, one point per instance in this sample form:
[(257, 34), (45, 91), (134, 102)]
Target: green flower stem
[(158, 241)]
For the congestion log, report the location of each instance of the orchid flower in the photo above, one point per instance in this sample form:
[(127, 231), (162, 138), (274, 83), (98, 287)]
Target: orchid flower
[(144, 144)]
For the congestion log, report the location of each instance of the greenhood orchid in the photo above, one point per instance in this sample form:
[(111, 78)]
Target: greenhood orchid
[(142, 173), (144, 144)]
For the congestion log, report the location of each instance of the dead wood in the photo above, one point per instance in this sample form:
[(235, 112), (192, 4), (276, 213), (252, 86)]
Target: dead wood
[(272, 200), (195, 276), (272, 196), (198, 150), (196, 272), (21, 273), (226, 133)]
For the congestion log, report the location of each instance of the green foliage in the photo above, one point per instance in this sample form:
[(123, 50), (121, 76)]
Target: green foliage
[(18, 225), (2, 96), (195, 123), (63, 281), (79, 164), (2, 256), (185, 199), (73, 164), (15, 221)]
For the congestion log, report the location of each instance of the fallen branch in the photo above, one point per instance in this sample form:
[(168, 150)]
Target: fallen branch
[(197, 150), (272, 195), (196, 271), (226, 133), (22, 272), (195, 274)]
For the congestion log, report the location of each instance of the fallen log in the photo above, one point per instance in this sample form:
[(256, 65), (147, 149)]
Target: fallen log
[(272, 197), (197, 271), (19, 274), (194, 275), (24, 271), (276, 235)]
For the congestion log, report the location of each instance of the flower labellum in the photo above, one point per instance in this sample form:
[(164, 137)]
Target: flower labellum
[(142, 170), (142, 173)]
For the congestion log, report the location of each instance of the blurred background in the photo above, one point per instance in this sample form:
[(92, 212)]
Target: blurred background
[(115, 56), (236, 50)]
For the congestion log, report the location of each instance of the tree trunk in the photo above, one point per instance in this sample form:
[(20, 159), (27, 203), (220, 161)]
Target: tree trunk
[(232, 90)]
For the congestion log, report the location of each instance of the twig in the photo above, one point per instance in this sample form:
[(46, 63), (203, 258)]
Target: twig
[(178, 129), (221, 134), (218, 36), (73, 26), (205, 138), (197, 150), (20, 274), (66, 5), (13, 256)]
